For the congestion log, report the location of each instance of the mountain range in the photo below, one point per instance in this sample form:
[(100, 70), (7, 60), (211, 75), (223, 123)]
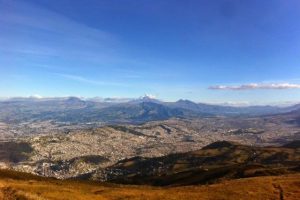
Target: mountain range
[(109, 110)]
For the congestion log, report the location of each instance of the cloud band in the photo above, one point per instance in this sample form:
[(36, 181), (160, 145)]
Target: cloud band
[(253, 86)]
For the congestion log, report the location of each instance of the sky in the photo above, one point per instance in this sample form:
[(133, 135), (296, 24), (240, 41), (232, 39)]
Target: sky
[(207, 51)]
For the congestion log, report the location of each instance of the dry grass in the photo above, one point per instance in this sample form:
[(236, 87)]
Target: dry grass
[(280, 187)]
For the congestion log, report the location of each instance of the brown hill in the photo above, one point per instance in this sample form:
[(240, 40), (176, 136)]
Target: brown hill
[(15, 185), (293, 144), (215, 162), (11, 151)]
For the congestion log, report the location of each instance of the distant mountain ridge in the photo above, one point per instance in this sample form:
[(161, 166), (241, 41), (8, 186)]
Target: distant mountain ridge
[(110, 110)]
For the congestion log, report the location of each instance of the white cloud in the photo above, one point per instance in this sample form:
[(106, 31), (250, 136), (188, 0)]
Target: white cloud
[(253, 86), (37, 96), (150, 96)]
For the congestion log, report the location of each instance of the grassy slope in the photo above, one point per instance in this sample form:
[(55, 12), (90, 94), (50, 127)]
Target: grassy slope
[(218, 161), (15, 185)]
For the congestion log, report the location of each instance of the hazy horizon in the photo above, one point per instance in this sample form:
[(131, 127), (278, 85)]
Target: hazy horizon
[(127, 99)]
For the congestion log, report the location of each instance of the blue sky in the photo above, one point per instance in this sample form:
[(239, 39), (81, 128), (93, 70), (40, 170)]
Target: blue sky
[(206, 51)]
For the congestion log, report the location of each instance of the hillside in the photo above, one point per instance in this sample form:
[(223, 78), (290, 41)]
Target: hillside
[(15, 185), (215, 162)]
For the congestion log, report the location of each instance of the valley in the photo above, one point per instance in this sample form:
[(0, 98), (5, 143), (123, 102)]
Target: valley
[(63, 153), (149, 143)]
